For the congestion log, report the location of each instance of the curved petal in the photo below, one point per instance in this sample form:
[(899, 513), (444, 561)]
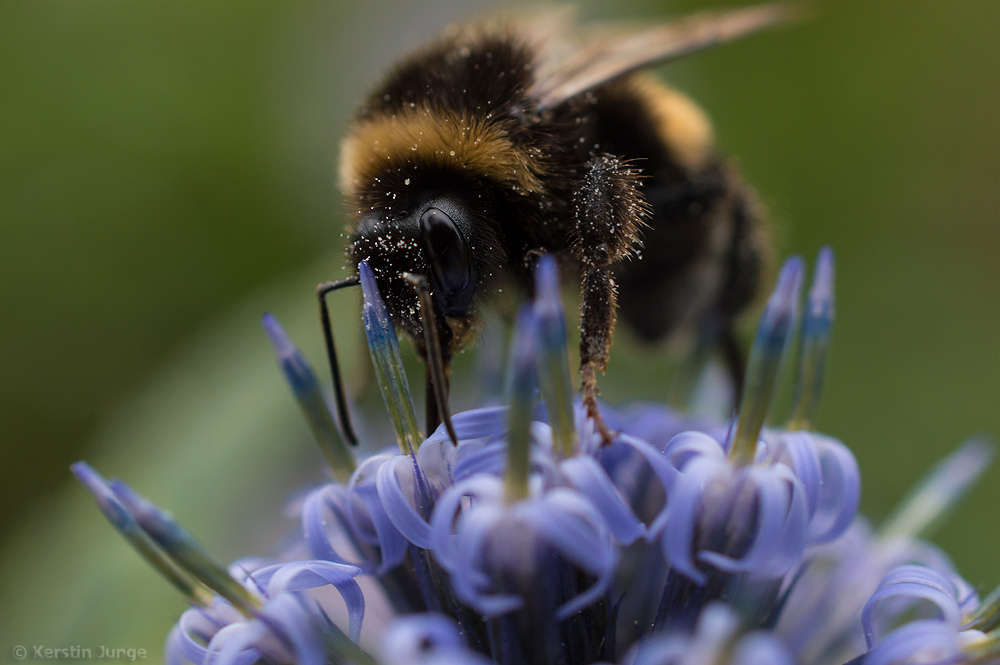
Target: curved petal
[(677, 537), (287, 616), (314, 525), (925, 641), (302, 575), (233, 645), (801, 451), (692, 445), (391, 543), (204, 624), (172, 650), (840, 491), (587, 476), (665, 471), (491, 459), (792, 540), (918, 583), (576, 529), (362, 477), (773, 501), (480, 488), (470, 580), (401, 512), (474, 424)]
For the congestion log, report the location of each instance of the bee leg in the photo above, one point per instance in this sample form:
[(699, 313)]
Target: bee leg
[(607, 211), (340, 395), (597, 324), (437, 386)]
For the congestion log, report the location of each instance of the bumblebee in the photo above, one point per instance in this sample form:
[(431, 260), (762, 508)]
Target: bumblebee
[(506, 139)]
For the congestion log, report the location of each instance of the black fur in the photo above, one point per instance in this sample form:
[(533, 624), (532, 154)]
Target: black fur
[(701, 256)]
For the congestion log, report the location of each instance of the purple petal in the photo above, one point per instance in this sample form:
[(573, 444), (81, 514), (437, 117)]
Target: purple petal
[(469, 578), (690, 445), (302, 575), (677, 538), (392, 544), (792, 539), (402, 514), (773, 501), (571, 524), (480, 489), (287, 616), (587, 476), (172, 654), (801, 450), (917, 583), (840, 491), (233, 645), (925, 641), (661, 651), (411, 639), (314, 525), (761, 649), (203, 624), (474, 424)]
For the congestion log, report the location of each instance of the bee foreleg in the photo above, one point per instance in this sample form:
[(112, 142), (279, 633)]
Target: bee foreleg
[(607, 212)]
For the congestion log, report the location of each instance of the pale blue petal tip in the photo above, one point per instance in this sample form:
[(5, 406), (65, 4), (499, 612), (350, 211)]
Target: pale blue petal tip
[(110, 505), (547, 283), (789, 282), (369, 288), (823, 276), (155, 521), (378, 325), (279, 339), (778, 318), (525, 339)]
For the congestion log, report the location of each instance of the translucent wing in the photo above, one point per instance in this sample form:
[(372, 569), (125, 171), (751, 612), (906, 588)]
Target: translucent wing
[(610, 54)]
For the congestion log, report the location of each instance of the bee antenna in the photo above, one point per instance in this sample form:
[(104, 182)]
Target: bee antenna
[(339, 394), (437, 379)]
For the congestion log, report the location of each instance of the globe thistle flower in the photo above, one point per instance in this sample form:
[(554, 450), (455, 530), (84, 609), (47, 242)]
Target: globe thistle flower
[(513, 535)]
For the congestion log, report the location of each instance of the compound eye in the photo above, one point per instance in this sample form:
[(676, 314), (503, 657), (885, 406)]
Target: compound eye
[(450, 260)]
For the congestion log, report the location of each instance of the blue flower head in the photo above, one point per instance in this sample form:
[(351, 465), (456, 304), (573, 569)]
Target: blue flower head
[(517, 536)]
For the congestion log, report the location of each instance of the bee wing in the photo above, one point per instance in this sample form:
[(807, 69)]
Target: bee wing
[(611, 55)]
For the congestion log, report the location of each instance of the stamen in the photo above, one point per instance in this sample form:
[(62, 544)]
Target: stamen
[(939, 491), (388, 362), (184, 550), (432, 344), (123, 520), (553, 364), (521, 398), (313, 403), (817, 322), (776, 325)]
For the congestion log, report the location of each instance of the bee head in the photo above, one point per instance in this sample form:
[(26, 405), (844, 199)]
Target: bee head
[(439, 237)]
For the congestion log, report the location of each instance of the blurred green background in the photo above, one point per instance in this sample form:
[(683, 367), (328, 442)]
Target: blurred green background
[(166, 175)]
